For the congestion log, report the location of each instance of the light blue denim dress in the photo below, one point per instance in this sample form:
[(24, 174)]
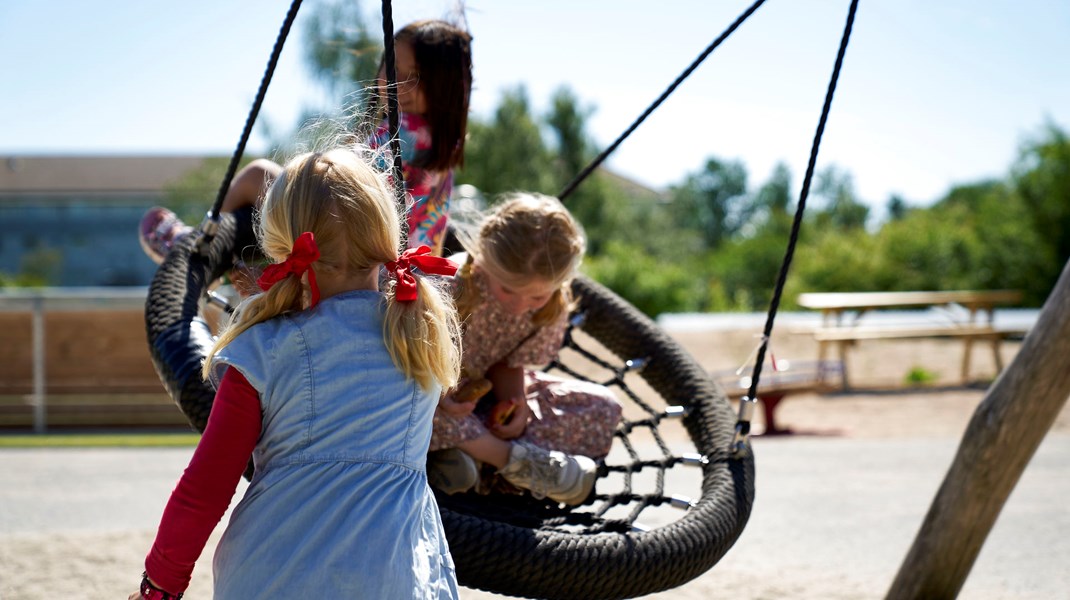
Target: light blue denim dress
[(339, 505)]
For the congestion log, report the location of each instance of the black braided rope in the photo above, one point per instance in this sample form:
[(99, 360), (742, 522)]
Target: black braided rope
[(800, 208), (392, 111), (650, 109), (514, 544), (179, 339), (232, 168)]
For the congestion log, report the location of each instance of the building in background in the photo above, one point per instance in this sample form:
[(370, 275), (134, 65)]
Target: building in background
[(72, 220)]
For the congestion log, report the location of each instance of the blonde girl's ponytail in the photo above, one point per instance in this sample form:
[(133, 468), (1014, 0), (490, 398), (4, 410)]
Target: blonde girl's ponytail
[(422, 333), (284, 296), (468, 296)]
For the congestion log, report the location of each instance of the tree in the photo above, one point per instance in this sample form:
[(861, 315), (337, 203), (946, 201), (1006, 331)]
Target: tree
[(651, 285), (841, 209), (714, 201), (832, 260), (897, 207), (568, 122), (508, 153), (773, 205), (1041, 177), (1009, 251), (604, 209), (342, 53)]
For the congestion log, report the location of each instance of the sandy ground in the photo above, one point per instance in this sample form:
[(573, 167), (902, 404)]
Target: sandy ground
[(837, 504)]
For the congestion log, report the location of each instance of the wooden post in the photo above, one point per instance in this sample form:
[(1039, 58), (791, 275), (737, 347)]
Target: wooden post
[(40, 418), (999, 441)]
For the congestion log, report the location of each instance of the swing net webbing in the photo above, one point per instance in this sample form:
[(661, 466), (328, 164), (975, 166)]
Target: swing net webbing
[(673, 495)]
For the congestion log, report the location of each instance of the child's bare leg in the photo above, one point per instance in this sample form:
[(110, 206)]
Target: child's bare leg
[(488, 449), (559, 476)]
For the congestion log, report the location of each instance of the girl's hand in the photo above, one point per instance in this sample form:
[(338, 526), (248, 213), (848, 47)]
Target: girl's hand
[(509, 419), (449, 405)]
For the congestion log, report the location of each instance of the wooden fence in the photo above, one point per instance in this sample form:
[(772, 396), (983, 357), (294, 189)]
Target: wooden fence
[(78, 358)]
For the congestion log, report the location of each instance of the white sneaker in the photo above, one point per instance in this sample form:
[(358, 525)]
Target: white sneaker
[(556, 475), (452, 471)]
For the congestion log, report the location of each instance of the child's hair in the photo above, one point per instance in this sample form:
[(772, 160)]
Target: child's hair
[(349, 208), (443, 55), (526, 236)]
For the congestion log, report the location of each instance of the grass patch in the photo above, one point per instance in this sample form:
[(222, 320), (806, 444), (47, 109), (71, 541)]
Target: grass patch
[(919, 376), (99, 440)]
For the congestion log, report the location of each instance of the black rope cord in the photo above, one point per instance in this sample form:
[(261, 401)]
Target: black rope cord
[(232, 168), (648, 424), (650, 109), (392, 111), (746, 404)]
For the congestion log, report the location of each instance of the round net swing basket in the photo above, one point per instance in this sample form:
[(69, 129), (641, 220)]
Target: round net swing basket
[(670, 500)]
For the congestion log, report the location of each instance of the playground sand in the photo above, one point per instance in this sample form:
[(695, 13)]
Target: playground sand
[(837, 505)]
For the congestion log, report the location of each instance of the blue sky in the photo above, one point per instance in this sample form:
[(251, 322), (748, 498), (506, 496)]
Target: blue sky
[(932, 93)]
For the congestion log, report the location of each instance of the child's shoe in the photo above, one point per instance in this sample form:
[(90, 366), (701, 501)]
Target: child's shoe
[(158, 232), (451, 471), (559, 476)]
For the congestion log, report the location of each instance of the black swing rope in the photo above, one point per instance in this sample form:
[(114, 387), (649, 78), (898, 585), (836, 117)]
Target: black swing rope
[(746, 407), (746, 404), (211, 220), (650, 109), (392, 111)]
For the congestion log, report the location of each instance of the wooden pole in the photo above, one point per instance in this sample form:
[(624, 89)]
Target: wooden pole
[(999, 441)]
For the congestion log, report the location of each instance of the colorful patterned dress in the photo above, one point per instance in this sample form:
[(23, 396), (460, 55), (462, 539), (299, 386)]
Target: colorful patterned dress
[(429, 191)]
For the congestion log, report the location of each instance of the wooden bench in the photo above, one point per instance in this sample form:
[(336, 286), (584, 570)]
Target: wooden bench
[(794, 377), (976, 324)]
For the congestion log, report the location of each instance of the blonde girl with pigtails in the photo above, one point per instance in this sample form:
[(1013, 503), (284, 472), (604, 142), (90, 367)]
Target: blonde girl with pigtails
[(330, 384)]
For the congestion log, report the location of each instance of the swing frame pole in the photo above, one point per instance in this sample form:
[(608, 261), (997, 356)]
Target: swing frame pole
[(1005, 431)]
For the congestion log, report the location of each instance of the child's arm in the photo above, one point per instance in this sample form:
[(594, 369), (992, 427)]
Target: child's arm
[(207, 486), (449, 404)]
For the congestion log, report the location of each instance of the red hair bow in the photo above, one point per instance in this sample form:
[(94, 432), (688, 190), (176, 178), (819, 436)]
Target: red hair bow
[(304, 253), (421, 258)]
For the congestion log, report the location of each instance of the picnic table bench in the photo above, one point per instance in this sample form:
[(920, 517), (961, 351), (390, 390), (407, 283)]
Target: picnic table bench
[(842, 325), (791, 377)]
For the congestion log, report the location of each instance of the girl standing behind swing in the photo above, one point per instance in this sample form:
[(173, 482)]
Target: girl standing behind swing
[(514, 295), (330, 384), (433, 62)]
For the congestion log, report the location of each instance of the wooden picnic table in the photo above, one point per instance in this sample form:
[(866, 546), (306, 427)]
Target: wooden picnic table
[(835, 305), (980, 306)]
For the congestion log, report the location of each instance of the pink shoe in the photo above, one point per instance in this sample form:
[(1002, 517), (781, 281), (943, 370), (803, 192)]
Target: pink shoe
[(158, 232)]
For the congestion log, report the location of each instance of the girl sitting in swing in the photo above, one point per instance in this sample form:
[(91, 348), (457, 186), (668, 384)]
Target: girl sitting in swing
[(513, 293)]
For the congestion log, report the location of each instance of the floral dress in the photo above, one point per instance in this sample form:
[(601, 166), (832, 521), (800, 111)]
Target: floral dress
[(572, 416)]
